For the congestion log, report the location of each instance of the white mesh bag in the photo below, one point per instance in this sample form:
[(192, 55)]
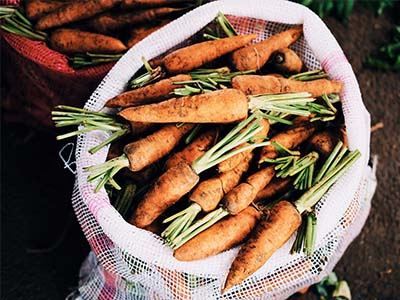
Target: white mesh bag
[(131, 263)]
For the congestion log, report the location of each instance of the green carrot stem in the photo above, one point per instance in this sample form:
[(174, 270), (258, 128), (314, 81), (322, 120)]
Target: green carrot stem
[(337, 160), (311, 232), (328, 162), (309, 75), (226, 25), (328, 102), (124, 199), (115, 136), (193, 134)]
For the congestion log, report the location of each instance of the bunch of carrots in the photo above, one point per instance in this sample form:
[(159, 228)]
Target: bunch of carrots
[(228, 142), (91, 31)]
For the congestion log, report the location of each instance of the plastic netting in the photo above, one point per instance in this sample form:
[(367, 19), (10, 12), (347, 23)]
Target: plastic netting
[(136, 264)]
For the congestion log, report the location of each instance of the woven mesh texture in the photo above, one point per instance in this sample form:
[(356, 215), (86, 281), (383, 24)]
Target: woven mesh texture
[(137, 258), (47, 78)]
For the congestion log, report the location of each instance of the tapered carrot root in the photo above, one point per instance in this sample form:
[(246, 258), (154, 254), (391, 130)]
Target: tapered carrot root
[(222, 236), (232, 162), (277, 187), (138, 3), (112, 22), (148, 94), (167, 190), (258, 84), (194, 150), (194, 56), (221, 106), (76, 41), (146, 151), (254, 57), (243, 194), (285, 61), (267, 237), (325, 141), (36, 9), (289, 139), (209, 192), (74, 11)]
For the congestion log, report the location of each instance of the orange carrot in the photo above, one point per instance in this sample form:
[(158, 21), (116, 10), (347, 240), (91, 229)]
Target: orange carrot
[(74, 11), (148, 3), (221, 106), (289, 139), (174, 183), (325, 141), (196, 55), (258, 84), (254, 57), (285, 61), (144, 152), (222, 236), (209, 192), (194, 150), (35, 9), (278, 186), (267, 237), (243, 194), (148, 94), (75, 41), (112, 22), (232, 162), (139, 33)]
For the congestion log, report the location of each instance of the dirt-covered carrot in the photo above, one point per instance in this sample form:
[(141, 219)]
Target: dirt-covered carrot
[(221, 106), (148, 94), (285, 61), (267, 84), (289, 139), (140, 154), (232, 162), (282, 221), (35, 9), (277, 187), (254, 57), (267, 237), (196, 55), (76, 41), (74, 11), (324, 141), (194, 150), (113, 21), (205, 197), (139, 33), (180, 179), (222, 236)]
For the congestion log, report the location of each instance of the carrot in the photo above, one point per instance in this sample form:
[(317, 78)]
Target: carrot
[(168, 189), (209, 192), (144, 152), (243, 194), (180, 179), (194, 150), (139, 33), (289, 139), (35, 9), (253, 57), (267, 237), (285, 61), (221, 106), (232, 162), (276, 187), (258, 84), (139, 154), (196, 55), (148, 94), (113, 22), (76, 41), (74, 11), (325, 141), (138, 3), (222, 236)]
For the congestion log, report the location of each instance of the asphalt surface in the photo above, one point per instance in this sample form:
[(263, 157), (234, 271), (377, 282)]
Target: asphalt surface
[(42, 245)]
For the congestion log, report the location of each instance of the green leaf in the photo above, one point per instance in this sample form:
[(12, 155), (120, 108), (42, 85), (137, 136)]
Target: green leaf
[(342, 291)]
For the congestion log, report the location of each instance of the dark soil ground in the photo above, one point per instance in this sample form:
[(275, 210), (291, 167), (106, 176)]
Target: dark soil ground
[(36, 210)]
